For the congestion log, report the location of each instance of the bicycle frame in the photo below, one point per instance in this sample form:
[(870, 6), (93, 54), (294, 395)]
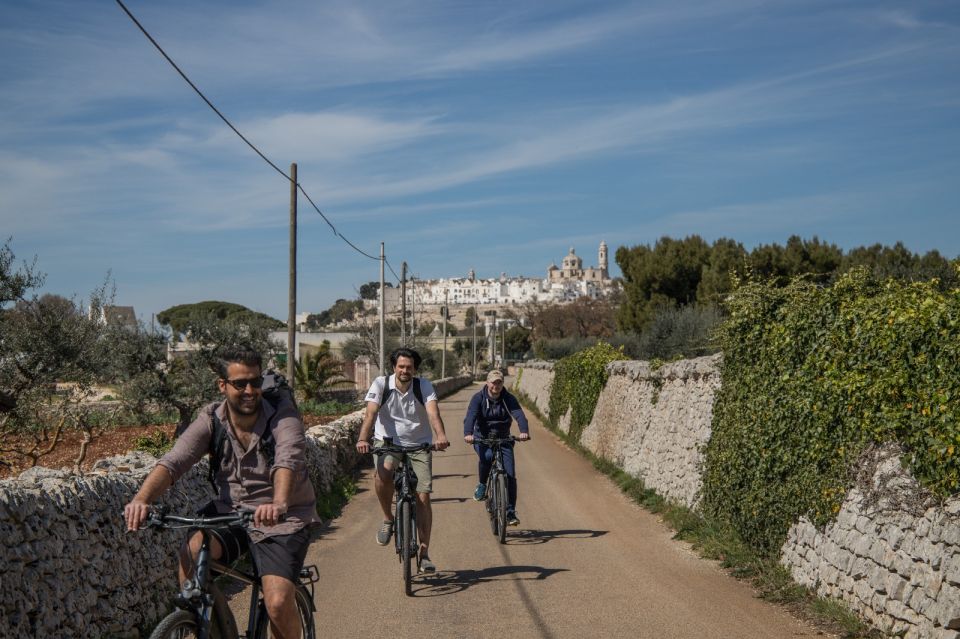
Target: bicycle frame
[(201, 596), (496, 486), (405, 501)]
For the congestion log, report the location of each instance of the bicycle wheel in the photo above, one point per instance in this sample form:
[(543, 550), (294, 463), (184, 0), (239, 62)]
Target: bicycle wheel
[(179, 624), (403, 530), (502, 507), (304, 614), (492, 501)]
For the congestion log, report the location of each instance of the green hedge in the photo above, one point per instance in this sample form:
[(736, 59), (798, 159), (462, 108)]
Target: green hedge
[(811, 376), (577, 382)]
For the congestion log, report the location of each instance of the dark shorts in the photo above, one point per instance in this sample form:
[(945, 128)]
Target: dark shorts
[(280, 555)]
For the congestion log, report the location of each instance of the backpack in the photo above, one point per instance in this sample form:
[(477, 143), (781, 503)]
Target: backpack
[(387, 390), (275, 390)]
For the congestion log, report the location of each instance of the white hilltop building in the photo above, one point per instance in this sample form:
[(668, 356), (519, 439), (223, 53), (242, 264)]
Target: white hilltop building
[(564, 284)]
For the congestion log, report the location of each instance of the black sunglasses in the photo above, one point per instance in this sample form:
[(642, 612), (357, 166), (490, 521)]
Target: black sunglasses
[(241, 384)]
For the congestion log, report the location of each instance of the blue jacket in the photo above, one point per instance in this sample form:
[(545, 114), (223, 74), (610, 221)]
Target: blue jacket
[(486, 414)]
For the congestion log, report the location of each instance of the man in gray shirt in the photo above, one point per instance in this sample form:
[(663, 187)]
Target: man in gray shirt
[(247, 480)]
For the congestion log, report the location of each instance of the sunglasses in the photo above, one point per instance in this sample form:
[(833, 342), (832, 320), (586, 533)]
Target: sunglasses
[(241, 384)]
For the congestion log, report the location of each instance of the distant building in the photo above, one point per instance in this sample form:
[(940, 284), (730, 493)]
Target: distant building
[(560, 285), (116, 315)]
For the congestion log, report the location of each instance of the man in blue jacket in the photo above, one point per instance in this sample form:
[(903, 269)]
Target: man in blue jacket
[(490, 413)]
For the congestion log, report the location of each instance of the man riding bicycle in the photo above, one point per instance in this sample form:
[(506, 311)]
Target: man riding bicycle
[(491, 411), (260, 470), (405, 409)]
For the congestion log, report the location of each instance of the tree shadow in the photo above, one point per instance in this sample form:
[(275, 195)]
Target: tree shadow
[(448, 582)]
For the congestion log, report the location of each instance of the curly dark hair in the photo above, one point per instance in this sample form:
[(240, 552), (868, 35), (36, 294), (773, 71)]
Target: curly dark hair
[(405, 352), (238, 354)]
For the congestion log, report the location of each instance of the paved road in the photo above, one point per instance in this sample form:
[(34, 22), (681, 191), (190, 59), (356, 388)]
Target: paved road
[(585, 562)]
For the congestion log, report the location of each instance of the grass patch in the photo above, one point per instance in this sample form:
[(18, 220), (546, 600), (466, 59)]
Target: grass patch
[(330, 504), (713, 540)]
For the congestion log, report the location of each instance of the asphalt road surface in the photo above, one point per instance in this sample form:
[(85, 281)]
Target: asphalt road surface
[(584, 562)]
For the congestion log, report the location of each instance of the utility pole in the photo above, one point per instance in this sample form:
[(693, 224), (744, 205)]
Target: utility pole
[(503, 349), (292, 301), (492, 334), (443, 318), (382, 261), (413, 311), (403, 304)]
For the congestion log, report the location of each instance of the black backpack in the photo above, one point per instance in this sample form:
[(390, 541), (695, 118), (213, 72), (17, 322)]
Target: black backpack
[(387, 390), (275, 390)]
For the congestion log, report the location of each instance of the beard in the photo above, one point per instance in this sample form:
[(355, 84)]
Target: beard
[(244, 405)]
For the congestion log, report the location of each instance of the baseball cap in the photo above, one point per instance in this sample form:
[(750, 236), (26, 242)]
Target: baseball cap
[(494, 375)]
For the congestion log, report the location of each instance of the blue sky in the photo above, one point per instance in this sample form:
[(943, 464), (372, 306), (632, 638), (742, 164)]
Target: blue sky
[(488, 135)]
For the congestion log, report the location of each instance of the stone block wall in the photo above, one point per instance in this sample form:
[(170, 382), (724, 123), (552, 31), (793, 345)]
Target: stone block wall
[(655, 423), (534, 380), (893, 553), (69, 569)]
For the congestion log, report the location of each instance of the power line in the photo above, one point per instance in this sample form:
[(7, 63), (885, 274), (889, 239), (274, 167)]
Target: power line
[(242, 137)]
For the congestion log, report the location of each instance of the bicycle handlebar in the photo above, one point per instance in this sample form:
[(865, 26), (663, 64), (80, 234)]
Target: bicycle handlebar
[(395, 448), (159, 518), (497, 440)]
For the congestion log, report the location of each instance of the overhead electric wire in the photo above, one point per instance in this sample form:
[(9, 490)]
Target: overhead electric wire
[(242, 137)]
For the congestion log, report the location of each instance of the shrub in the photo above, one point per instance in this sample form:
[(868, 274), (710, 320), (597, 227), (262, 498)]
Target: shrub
[(812, 375), (577, 382)]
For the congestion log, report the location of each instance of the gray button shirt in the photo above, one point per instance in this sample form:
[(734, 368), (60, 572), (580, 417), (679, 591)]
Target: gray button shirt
[(245, 480)]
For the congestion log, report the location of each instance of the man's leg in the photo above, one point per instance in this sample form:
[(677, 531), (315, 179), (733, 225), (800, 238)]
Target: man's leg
[(236, 539), (279, 593), (424, 520), (279, 560), (383, 485)]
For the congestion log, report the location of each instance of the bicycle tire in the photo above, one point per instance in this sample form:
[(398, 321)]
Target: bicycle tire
[(405, 554), (502, 508), (179, 624), (304, 613), (492, 502)]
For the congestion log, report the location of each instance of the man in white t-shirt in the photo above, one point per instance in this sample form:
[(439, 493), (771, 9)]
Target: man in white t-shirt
[(409, 415)]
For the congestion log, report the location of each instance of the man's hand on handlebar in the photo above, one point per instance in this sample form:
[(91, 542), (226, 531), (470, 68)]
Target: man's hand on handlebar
[(135, 513), (523, 437), (363, 447), (441, 443), (468, 438), (269, 514)]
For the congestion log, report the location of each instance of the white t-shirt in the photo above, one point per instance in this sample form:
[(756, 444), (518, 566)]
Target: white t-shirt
[(403, 418)]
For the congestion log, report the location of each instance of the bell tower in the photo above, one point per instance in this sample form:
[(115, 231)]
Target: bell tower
[(602, 260)]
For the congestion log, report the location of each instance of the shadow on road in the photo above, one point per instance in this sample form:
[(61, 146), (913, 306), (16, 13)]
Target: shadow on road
[(448, 582), (523, 537), (459, 500), (450, 475)]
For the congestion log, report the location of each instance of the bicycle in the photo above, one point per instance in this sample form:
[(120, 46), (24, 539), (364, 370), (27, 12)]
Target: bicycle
[(202, 609), (405, 509), (497, 496)]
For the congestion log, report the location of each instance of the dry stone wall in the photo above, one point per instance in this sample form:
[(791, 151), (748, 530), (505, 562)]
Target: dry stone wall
[(69, 569), (655, 423), (534, 380), (893, 552)]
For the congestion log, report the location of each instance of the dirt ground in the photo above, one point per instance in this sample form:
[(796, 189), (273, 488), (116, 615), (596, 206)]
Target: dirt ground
[(113, 442)]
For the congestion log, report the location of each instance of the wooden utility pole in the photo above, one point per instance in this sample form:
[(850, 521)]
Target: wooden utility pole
[(292, 300), (403, 304), (382, 261), (474, 342), (443, 318)]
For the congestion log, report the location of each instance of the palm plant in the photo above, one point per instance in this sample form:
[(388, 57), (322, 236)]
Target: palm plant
[(317, 371)]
